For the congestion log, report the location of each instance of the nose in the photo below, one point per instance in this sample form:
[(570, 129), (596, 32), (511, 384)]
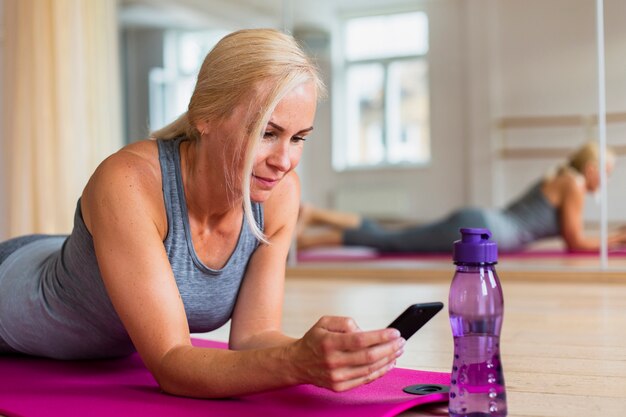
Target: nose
[(280, 158)]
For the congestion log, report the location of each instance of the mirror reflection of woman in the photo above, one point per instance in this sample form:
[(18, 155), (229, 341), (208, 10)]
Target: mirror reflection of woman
[(553, 206)]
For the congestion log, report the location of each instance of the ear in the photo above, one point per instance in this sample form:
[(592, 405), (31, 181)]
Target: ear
[(201, 126)]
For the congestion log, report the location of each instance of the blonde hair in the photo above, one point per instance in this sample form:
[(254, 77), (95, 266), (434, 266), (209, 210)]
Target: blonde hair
[(588, 153), (253, 66)]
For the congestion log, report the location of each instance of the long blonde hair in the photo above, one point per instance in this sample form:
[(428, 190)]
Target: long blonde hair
[(253, 66)]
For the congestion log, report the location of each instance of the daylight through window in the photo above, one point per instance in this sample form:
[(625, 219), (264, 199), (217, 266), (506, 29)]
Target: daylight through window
[(385, 92)]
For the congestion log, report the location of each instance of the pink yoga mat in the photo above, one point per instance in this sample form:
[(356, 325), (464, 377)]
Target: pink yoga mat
[(35, 387)]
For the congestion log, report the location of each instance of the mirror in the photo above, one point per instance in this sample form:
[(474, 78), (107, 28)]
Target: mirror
[(512, 89)]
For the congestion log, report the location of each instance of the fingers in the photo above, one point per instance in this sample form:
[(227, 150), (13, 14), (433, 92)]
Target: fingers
[(359, 355), (361, 375), (361, 340), (337, 355), (338, 324), (354, 338), (357, 368), (370, 363), (341, 334), (376, 363)]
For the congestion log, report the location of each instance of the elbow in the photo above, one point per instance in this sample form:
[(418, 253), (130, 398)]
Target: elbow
[(168, 386), (167, 380), (183, 373), (573, 247), (579, 244), (169, 374), (181, 387), (573, 241)]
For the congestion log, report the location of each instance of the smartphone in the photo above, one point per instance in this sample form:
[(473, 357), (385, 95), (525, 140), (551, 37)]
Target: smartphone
[(414, 317)]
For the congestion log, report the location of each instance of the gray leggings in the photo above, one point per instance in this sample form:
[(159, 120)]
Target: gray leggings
[(6, 249), (434, 237), (11, 245)]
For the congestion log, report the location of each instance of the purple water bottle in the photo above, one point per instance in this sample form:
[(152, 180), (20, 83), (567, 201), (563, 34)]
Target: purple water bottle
[(476, 309)]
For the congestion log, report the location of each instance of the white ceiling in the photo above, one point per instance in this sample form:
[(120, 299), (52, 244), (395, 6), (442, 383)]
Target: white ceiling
[(248, 13)]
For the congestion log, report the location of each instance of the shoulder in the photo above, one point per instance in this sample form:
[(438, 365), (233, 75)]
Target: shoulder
[(563, 187), (133, 166), (571, 182), (126, 182)]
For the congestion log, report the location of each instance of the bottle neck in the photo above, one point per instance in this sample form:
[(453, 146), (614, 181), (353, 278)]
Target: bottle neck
[(475, 267)]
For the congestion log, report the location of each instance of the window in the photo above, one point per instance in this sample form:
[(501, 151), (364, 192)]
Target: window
[(384, 99), (170, 87)]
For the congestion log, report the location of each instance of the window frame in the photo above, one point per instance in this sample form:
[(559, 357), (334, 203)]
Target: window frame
[(164, 83), (339, 98)]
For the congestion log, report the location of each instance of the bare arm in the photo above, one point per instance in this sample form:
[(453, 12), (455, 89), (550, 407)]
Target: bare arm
[(572, 225), (257, 315), (124, 211), (334, 353)]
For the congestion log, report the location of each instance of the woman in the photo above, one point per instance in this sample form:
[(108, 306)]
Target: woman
[(182, 233), (551, 207)]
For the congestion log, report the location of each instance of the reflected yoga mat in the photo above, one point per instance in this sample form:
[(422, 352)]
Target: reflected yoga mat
[(359, 253), (33, 387)]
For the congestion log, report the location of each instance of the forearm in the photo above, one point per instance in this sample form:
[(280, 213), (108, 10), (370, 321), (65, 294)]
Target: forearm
[(214, 373), (592, 243), (334, 354), (583, 243), (267, 339)]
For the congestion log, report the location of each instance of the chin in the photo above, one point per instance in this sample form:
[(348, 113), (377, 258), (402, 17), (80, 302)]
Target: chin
[(259, 197)]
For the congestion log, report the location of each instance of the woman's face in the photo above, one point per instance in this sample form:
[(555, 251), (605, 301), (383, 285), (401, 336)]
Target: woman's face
[(283, 139), (592, 175)]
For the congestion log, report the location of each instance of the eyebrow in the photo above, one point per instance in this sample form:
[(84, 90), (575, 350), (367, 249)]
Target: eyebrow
[(282, 129)]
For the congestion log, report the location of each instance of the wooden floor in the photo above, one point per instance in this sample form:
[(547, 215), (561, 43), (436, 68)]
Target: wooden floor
[(563, 342), (564, 333)]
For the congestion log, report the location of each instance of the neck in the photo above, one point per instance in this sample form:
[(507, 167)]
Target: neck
[(209, 197)]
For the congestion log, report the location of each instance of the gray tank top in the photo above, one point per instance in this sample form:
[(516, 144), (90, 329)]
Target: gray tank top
[(529, 218), (53, 301)]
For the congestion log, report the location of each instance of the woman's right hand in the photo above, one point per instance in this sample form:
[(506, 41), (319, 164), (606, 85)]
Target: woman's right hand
[(337, 355)]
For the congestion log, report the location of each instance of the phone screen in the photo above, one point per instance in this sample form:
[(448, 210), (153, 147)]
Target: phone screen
[(414, 317)]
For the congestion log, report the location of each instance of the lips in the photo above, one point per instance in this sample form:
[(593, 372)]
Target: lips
[(266, 182)]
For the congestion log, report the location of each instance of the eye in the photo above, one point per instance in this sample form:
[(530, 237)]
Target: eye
[(269, 135), (298, 139)]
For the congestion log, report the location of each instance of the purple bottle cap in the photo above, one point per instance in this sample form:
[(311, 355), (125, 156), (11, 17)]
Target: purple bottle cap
[(475, 246)]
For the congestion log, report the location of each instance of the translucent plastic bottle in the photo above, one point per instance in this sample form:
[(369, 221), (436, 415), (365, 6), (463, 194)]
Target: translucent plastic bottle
[(476, 311)]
